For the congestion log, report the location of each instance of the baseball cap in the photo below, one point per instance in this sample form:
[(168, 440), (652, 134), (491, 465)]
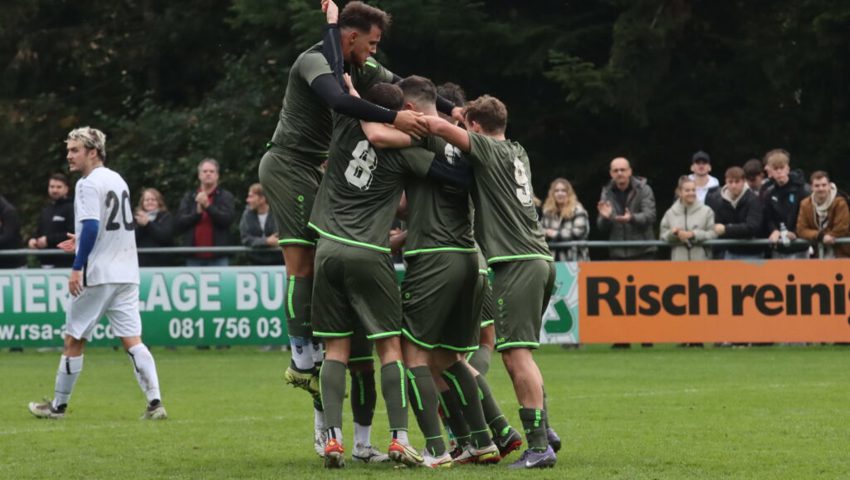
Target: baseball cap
[(701, 156)]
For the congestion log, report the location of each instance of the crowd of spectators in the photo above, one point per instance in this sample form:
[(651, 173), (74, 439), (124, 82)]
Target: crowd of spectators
[(762, 199)]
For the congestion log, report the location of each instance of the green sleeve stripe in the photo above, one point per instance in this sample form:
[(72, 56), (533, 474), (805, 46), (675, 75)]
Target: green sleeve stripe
[(415, 390), (295, 241), (487, 323), (515, 258), (410, 253), (483, 271), (383, 335), (332, 334), (289, 294), (517, 345), (372, 64), (346, 241)]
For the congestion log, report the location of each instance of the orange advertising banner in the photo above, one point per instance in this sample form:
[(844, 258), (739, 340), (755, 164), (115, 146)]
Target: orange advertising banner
[(715, 301)]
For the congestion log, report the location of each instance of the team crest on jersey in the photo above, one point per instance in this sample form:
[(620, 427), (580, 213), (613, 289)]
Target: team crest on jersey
[(360, 167)]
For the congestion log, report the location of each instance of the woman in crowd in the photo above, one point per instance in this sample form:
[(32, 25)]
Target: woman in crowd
[(687, 224), (154, 228), (565, 219)]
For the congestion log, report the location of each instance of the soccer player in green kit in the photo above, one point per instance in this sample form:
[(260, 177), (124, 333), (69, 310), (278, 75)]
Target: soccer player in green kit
[(441, 310), (290, 171), (513, 243), (355, 286)]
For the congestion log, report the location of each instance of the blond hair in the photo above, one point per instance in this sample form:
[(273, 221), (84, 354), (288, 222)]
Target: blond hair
[(91, 138), (777, 158), (568, 209)]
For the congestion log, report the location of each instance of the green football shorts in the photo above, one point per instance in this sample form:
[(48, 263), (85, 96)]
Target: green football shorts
[(521, 290)]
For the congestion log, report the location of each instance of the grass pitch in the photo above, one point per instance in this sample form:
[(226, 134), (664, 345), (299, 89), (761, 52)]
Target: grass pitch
[(665, 412)]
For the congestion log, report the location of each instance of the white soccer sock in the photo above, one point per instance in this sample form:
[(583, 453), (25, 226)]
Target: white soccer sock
[(145, 370), (336, 433), (66, 376), (401, 436), (302, 353), (318, 419), (362, 434), (318, 352)]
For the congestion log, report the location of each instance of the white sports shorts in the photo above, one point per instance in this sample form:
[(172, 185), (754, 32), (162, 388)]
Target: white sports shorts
[(118, 301)]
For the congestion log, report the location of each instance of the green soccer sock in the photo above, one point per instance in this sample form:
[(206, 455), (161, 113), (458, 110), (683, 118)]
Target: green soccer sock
[(534, 424), (492, 413), (423, 401), (297, 304), (480, 360), (363, 397), (463, 384), (332, 379), (395, 395), (454, 417)]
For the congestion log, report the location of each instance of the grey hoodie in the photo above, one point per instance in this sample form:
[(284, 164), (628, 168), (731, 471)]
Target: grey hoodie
[(696, 218)]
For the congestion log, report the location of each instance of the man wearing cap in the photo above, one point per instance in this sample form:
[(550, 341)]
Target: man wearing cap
[(701, 168)]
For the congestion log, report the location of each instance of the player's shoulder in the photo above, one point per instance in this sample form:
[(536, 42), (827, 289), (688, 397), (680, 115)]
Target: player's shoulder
[(310, 57)]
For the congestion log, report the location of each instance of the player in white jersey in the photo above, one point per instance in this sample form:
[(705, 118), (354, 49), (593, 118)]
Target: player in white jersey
[(104, 278)]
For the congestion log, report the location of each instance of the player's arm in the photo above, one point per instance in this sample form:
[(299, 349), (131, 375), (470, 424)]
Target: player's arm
[(382, 135), (85, 245), (450, 133)]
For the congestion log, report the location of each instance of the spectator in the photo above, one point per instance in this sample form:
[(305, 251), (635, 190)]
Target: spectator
[(55, 222), (154, 228), (687, 224), (782, 204), (258, 229), (701, 168), (824, 216), (627, 212), (564, 219), (10, 234), (205, 216), (755, 174), (738, 213)]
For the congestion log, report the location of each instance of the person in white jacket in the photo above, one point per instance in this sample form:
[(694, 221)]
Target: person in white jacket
[(687, 224)]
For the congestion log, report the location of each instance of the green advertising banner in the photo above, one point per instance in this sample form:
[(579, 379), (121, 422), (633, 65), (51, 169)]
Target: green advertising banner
[(203, 306)]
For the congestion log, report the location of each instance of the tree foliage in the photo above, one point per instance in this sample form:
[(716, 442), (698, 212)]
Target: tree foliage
[(654, 80)]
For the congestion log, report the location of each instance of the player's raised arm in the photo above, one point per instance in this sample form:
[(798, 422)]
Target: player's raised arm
[(450, 133)]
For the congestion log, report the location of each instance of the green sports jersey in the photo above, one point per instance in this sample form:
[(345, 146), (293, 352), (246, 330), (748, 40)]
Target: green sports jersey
[(506, 224), (359, 196), (304, 124), (440, 217)]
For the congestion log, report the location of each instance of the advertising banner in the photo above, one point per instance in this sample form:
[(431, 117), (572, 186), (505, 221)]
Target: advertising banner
[(179, 306), (715, 301)]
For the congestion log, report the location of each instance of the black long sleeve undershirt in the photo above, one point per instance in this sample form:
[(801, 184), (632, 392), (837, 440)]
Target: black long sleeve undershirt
[(328, 89), (458, 174)]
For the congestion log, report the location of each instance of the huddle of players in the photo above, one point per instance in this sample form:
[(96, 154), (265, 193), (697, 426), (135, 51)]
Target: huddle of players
[(342, 288)]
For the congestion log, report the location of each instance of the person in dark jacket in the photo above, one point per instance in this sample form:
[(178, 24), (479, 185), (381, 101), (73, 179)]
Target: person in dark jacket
[(205, 216), (782, 205), (257, 229), (55, 222), (10, 234), (154, 228), (738, 215), (627, 212)]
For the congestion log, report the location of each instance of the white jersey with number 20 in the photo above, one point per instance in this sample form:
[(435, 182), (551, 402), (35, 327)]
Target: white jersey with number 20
[(104, 196)]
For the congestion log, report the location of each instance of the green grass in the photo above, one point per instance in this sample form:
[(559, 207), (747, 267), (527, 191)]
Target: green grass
[(778, 412)]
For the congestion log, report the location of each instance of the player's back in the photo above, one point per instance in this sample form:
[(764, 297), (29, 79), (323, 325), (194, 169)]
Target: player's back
[(439, 214), (506, 223), (359, 195), (103, 195)]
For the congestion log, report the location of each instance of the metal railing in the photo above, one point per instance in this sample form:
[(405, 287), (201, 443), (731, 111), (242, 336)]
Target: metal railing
[(575, 244)]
